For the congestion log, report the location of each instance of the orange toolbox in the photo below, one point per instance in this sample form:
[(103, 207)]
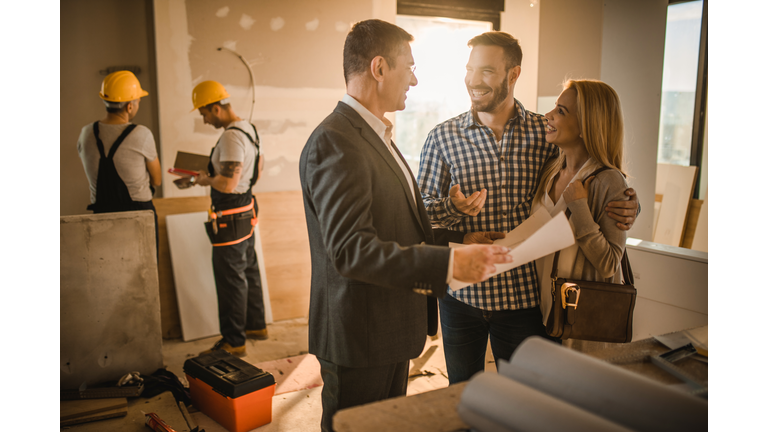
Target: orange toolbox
[(235, 393)]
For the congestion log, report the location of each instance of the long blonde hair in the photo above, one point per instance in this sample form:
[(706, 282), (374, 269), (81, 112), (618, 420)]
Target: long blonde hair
[(602, 127)]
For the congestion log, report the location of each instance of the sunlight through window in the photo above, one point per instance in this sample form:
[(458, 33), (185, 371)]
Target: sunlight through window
[(440, 52)]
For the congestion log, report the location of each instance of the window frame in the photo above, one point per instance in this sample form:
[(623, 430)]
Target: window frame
[(471, 10), (700, 101)]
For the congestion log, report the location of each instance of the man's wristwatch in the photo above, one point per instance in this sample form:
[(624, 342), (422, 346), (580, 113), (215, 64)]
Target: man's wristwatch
[(192, 180)]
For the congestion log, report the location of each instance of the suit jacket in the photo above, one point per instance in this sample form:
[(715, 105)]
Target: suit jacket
[(374, 259)]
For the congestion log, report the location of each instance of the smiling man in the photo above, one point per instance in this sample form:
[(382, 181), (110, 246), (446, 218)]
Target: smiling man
[(496, 149), (376, 266)]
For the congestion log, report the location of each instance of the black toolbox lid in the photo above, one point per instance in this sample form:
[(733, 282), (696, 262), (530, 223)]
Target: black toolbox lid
[(228, 374)]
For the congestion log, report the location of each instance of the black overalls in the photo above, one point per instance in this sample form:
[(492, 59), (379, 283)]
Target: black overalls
[(111, 192), (236, 268)]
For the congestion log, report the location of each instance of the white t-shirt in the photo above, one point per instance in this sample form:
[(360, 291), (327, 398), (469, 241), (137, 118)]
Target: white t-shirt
[(130, 159), (234, 146)]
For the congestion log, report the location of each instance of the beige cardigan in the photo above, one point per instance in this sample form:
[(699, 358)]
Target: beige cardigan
[(601, 242)]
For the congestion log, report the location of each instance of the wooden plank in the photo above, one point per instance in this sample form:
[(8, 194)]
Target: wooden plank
[(285, 242), (164, 405), (694, 209), (78, 408), (118, 412), (434, 411), (677, 191), (701, 234)]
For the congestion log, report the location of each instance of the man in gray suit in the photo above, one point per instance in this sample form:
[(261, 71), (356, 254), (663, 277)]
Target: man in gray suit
[(376, 269)]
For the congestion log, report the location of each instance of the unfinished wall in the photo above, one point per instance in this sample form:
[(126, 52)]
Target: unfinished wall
[(570, 43), (295, 51), (95, 35), (110, 308)]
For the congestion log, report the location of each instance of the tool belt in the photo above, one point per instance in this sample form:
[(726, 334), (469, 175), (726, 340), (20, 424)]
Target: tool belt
[(228, 227)]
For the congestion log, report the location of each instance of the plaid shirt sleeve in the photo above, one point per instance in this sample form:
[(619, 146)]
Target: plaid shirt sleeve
[(435, 183)]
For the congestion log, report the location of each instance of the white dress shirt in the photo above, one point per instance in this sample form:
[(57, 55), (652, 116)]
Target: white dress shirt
[(384, 130)]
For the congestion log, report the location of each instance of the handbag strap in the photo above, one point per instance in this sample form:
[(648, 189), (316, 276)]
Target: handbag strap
[(625, 267)]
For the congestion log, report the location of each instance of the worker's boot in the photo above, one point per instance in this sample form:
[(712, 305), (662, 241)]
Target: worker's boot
[(238, 351), (257, 334)]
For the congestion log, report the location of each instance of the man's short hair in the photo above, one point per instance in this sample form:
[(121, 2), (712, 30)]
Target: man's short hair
[(224, 104), (116, 107), (371, 38), (513, 54)]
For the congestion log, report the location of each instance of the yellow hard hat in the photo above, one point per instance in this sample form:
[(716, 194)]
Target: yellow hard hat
[(206, 93), (121, 86)]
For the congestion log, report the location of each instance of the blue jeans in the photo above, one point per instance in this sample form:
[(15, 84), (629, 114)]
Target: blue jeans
[(466, 330)]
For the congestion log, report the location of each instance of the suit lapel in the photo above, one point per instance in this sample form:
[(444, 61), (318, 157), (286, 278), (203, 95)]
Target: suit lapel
[(368, 134)]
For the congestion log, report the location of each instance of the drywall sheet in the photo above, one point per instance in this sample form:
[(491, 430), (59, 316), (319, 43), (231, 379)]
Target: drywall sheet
[(675, 183), (109, 297), (193, 275)]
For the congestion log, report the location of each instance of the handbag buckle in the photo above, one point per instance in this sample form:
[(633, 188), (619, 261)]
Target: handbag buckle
[(565, 290)]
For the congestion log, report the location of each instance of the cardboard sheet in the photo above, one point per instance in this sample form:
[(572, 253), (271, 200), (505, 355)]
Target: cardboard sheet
[(540, 235)]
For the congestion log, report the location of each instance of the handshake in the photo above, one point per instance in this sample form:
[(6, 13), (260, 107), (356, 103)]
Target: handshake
[(475, 263)]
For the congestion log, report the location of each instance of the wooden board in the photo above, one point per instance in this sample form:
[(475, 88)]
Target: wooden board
[(701, 234), (164, 405), (691, 222), (88, 410), (190, 252), (286, 252), (78, 408), (677, 182)]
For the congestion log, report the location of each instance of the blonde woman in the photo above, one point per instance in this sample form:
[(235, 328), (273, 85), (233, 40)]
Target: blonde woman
[(587, 126)]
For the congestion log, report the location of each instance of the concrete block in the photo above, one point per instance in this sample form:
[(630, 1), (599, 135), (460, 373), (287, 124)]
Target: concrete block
[(109, 299)]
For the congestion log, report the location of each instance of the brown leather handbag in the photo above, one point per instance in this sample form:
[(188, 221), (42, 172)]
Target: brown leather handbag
[(590, 310)]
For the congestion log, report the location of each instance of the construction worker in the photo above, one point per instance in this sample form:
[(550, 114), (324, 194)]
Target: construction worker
[(119, 157), (234, 167)]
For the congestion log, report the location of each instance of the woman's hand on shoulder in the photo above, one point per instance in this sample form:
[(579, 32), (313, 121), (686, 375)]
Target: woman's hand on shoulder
[(576, 190)]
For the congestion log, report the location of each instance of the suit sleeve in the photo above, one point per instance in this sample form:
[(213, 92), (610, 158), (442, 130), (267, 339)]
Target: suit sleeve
[(338, 180)]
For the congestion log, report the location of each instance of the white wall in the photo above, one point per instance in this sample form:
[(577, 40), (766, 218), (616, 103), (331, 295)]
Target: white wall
[(632, 62), (522, 21)]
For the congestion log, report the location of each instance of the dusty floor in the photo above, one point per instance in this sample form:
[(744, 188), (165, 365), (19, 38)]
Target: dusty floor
[(292, 411), (301, 410)]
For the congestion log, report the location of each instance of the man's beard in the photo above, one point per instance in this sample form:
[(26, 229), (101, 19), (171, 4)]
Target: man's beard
[(499, 95)]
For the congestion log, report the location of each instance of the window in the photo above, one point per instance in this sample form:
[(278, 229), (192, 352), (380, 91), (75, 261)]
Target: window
[(682, 128), (440, 51)]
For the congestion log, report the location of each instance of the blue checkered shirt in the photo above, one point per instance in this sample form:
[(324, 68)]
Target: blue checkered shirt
[(462, 151)]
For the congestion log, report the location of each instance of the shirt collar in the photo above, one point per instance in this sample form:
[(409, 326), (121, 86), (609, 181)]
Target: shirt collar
[(382, 128), (469, 117)]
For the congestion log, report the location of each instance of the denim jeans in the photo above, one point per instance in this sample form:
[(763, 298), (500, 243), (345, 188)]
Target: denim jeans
[(466, 330), (238, 289)]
